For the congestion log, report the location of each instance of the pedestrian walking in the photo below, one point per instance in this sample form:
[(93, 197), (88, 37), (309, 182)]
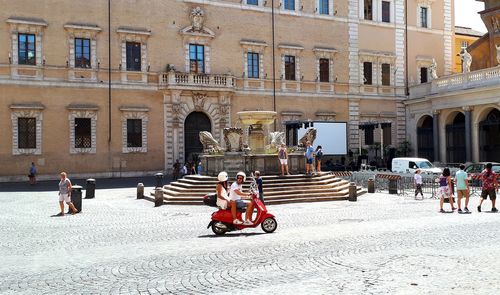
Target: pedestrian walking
[(309, 158), (319, 155), (32, 174), (463, 190), (490, 187), (283, 158), (65, 194), (259, 182), (445, 189), (418, 183)]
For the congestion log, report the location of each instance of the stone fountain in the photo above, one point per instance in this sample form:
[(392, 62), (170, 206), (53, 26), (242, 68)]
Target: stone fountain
[(249, 156), (256, 120)]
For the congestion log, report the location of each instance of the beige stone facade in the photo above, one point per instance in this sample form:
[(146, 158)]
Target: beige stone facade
[(150, 84)]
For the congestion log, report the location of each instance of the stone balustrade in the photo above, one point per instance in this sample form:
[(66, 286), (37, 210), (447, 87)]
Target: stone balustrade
[(175, 79), (479, 78)]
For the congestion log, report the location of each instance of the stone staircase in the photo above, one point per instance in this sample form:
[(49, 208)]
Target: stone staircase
[(191, 189)]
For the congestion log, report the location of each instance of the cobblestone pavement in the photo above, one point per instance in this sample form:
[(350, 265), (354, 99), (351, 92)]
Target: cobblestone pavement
[(119, 245)]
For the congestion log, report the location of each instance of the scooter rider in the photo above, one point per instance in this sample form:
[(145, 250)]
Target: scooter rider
[(235, 194), (222, 195)]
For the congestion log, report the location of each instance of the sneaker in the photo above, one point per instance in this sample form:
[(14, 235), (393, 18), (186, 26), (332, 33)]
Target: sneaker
[(494, 209), (441, 211), (237, 221), (453, 208), (478, 208), (466, 209), (247, 222), (459, 210)]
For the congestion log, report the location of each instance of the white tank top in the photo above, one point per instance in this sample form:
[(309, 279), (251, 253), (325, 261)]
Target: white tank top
[(220, 202)]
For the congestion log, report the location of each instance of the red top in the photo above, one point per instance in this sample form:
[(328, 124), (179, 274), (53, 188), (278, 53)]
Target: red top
[(488, 181)]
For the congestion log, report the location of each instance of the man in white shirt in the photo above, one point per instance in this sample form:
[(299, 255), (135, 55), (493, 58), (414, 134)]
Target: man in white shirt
[(235, 194), (418, 184)]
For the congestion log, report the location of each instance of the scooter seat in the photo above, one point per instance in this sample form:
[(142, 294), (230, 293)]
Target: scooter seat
[(238, 209)]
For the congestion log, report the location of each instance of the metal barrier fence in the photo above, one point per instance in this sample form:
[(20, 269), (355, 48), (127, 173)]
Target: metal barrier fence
[(405, 182)]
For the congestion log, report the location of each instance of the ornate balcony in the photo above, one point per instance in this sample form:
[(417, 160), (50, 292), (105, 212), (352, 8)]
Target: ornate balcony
[(192, 81), (475, 79)]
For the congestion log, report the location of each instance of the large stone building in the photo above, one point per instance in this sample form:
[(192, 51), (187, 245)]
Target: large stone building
[(456, 118), (124, 89)]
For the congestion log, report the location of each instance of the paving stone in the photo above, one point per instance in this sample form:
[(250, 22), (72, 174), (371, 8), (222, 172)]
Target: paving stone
[(119, 245)]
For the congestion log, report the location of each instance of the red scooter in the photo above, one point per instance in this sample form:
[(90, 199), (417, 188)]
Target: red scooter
[(222, 220)]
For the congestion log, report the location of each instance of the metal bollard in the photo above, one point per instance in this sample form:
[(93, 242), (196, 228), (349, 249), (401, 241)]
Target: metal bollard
[(393, 186), (90, 189), (353, 192), (159, 179), (158, 197), (371, 185), (76, 198), (140, 190)]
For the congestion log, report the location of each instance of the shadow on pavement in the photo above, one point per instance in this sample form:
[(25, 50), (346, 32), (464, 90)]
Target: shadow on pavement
[(104, 183), (231, 235)]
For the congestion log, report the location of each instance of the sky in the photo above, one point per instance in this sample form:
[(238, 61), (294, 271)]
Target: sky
[(466, 14)]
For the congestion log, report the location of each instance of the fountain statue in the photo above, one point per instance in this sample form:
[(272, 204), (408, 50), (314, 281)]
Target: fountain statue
[(255, 120), (210, 145), (310, 136)]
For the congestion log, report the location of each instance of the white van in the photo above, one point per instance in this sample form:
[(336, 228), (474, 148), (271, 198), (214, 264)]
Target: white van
[(409, 165)]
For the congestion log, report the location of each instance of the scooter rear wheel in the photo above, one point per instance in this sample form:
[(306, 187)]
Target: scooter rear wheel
[(269, 225), (218, 230)]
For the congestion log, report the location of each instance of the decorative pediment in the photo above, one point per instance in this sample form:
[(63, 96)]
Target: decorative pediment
[(197, 28), (324, 52), (26, 25), (290, 49), (130, 34), (82, 30), (253, 45)]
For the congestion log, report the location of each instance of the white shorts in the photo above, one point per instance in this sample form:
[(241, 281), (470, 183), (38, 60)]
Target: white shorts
[(64, 197), (284, 161)]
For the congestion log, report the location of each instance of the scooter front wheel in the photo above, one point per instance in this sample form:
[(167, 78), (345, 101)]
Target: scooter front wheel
[(269, 225), (219, 228)]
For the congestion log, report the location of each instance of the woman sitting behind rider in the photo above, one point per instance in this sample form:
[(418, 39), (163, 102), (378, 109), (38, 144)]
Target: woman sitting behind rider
[(222, 194)]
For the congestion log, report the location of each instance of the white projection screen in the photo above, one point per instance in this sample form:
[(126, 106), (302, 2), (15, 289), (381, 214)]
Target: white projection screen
[(331, 136)]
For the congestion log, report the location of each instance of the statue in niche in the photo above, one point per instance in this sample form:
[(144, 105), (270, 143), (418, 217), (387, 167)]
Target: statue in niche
[(197, 16), (433, 69), (466, 61), (210, 145), (234, 139), (309, 136)]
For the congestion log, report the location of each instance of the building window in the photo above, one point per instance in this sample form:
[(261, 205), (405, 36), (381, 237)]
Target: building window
[(324, 70), (26, 133), (367, 72), (83, 133), (386, 74), (134, 133), (423, 17), (289, 4), (133, 56), (423, 75), (386, 11), (27, 49), (197, 58), (253, 2), (82, 53), (387, 134), (324, 7), (464, 45), (368, 10), (253, 65), (289, 67), (369, 138)]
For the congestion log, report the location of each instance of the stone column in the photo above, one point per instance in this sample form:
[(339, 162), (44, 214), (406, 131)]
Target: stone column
[(435, 134), (468, 134)]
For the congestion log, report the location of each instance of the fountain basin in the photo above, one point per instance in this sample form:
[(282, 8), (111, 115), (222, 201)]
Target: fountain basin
[(257, 117)]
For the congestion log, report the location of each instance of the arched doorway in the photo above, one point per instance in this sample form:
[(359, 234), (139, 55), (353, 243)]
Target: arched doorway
[(489, 137), (425, 138), (455, 139), (195, 122)]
